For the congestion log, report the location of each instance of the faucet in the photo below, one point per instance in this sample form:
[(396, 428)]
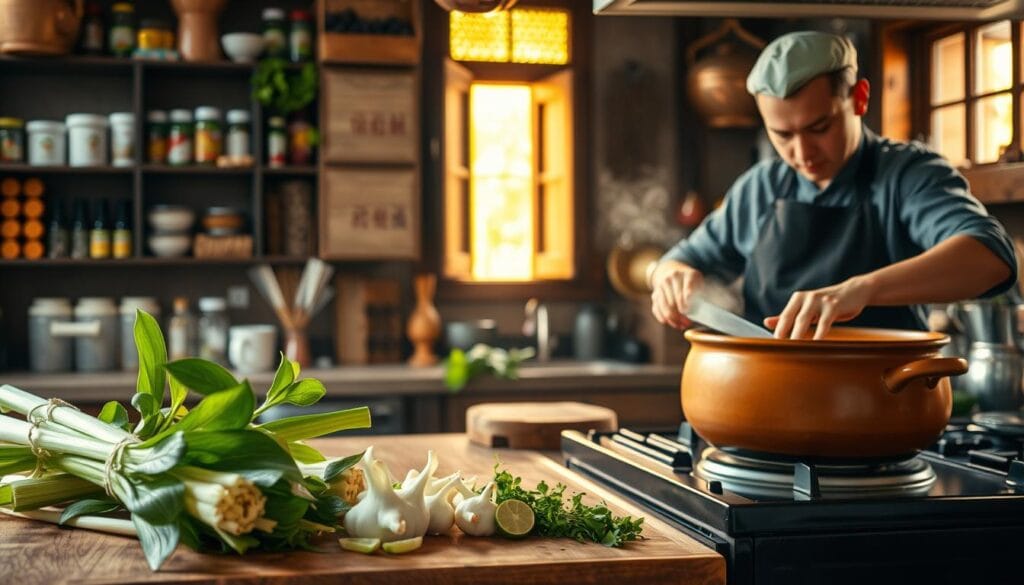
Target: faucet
[(536, 324)]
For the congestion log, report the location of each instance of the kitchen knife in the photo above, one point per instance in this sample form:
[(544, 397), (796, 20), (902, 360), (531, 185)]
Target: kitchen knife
[(714, 317)]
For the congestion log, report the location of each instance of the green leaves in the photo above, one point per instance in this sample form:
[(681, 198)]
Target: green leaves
[(161, 457), (149, 341), (280, 91), (116, 414), (304, 453), (577, 520), (250, 453), (461, 367), (336, 468), (226, 410), (286, 389), (307, 426), (158, 540), (88, 508), (202, 376)]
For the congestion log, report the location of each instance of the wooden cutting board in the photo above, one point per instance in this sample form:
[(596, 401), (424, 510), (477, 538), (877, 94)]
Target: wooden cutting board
[(42, 554), (533, 425)]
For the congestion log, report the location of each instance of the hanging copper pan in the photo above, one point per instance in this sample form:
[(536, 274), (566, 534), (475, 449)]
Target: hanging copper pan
[(860, 393)]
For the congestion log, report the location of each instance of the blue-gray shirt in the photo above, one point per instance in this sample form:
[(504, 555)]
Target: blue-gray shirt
[(920, 198)]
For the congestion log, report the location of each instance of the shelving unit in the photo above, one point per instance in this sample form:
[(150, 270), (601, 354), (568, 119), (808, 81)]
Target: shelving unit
[(50, 88), (139, 86)]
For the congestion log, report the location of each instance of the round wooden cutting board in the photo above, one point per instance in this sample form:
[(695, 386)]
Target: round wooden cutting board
[(533, 425)]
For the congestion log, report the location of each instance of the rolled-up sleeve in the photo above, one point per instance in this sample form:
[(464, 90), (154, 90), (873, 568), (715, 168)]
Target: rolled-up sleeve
[(712, 248), (936, 204)]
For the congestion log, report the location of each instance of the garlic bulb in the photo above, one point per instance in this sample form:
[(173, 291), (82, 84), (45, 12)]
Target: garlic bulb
[(386, 513), (442, 513), (475, 515)]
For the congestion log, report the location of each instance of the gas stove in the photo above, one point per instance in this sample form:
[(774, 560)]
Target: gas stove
[(950, 514)]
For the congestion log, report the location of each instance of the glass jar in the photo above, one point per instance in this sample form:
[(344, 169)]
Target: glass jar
[(153, 35), (179, 138), (121, 38), (213, 329), (122, 139), (300, 37), (156, 137), (182, 332), (12, 140), (209, 141), (274, 42), (277, 142), (300, 147), (238, 134)]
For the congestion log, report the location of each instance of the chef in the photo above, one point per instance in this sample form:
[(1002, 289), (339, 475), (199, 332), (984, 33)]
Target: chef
[(848, 227)]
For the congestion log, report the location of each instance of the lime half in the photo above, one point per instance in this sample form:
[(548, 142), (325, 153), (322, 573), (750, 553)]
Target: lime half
[(363, 545), (403, 546), (514, 519)]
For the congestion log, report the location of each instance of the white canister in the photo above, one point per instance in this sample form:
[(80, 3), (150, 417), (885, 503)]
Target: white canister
[(122, 139), (48, 352), (46, 143), (98, 350), (129, 352), (87, 140)]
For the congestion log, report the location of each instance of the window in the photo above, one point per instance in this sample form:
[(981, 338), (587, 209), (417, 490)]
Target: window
[(974, 92), (509, 148)]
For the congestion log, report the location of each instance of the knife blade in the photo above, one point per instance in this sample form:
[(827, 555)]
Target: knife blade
[(714, 317)]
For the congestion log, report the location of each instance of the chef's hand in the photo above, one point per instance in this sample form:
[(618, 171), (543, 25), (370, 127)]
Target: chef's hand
[(672, 285), (821, 308)]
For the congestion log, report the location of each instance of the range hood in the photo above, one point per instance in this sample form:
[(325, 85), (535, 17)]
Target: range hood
[(957, 10)]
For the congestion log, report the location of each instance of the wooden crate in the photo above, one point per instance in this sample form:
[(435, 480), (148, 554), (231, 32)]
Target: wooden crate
[(370, 116), (370, 213), (206, 246), (371, 48)]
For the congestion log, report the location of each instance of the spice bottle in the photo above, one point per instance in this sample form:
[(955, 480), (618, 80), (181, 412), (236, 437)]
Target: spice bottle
[(208, 136), (92, 29), (179, 138), (300, 149), (274, 42), (156, 137), (80, 230), (59, 240), (122, 29), (122, 139), (300, 37), (213, 329), (122, 237), (12, 140), (238, 134), (99, 235), (182, 332), (277, 142)]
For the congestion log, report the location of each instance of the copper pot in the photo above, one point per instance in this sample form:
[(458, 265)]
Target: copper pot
[(860, 393), (717, 83), (39, 27)]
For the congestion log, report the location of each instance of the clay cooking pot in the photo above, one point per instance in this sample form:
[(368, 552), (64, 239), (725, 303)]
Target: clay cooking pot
[(858, 394)]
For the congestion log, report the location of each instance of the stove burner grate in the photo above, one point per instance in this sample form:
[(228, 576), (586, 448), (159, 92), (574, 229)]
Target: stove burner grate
[(765, 478)]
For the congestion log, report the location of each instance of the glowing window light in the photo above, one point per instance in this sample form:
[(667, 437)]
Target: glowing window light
[(479, 37), (502, 220), (530, 36), (540, 36)]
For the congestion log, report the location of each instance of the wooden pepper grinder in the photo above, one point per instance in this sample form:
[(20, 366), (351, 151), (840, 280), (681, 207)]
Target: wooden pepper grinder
[(424, 325)]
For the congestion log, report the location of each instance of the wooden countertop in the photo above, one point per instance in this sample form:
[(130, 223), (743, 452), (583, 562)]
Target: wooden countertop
[(377, 380), (37, 553)]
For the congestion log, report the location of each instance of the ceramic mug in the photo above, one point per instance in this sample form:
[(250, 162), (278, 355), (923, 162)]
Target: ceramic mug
[(252, 348)]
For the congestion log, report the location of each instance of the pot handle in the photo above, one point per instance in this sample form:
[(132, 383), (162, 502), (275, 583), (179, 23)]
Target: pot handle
[(933, 369)]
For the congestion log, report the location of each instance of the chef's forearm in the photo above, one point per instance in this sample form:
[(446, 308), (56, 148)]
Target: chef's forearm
[(959, 268)]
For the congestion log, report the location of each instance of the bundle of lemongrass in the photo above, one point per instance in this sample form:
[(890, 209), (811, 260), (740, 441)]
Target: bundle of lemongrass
[(211, 476)]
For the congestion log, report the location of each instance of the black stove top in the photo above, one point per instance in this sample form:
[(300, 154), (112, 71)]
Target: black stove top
[(955, 511)]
